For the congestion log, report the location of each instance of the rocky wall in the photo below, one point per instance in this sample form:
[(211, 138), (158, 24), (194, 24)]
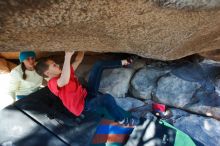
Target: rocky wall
[(157, 29)]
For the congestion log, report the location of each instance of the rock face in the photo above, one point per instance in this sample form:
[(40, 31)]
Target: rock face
[(144, 81), (154, 29), (116, 81), (174, 91), (204, 130), (196, 96)]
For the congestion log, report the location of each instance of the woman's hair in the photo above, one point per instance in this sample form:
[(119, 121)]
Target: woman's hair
[(23, 68), (42, 66)]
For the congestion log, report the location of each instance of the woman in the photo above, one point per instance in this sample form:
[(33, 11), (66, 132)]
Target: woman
[(24, 79)]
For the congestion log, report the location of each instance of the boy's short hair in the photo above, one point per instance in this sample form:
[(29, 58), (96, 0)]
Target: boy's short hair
[(42, 66)]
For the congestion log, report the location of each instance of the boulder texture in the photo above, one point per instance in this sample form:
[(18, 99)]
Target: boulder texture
[(116, 81), (159, 29), (174, 91), (144, 81), (203, 129)]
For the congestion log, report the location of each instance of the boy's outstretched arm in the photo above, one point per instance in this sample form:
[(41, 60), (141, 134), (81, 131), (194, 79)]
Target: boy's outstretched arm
[(65, 75), (78, 60)]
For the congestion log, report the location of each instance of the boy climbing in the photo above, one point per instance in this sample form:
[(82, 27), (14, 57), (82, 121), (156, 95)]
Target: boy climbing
[(64, 84)]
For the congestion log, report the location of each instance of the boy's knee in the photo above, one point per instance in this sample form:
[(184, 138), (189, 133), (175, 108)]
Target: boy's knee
[(109, 97)]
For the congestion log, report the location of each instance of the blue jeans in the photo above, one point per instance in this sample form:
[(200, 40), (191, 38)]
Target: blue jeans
[(95, 99)]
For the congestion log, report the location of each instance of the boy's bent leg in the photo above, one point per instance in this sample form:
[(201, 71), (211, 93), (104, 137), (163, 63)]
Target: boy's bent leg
[(113, 109), (96, 73), (111, 106), (108, 102)]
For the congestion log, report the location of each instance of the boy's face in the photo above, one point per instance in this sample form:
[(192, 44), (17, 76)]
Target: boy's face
[(53, 69)]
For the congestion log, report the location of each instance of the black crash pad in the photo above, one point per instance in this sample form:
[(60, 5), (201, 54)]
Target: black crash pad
[(16, 129), (48, 111)]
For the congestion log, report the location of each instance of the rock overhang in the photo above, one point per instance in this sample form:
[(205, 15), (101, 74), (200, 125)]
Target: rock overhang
[(158, 29)]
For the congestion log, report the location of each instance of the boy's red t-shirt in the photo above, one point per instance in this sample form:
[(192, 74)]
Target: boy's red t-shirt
[(72, 95)]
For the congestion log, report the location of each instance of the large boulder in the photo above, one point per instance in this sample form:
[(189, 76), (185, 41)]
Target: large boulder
[(174, 91), (207, 104), (191, 96), (193, 86), (155, 29), (145, 81), (203, 129), (116, 81)]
